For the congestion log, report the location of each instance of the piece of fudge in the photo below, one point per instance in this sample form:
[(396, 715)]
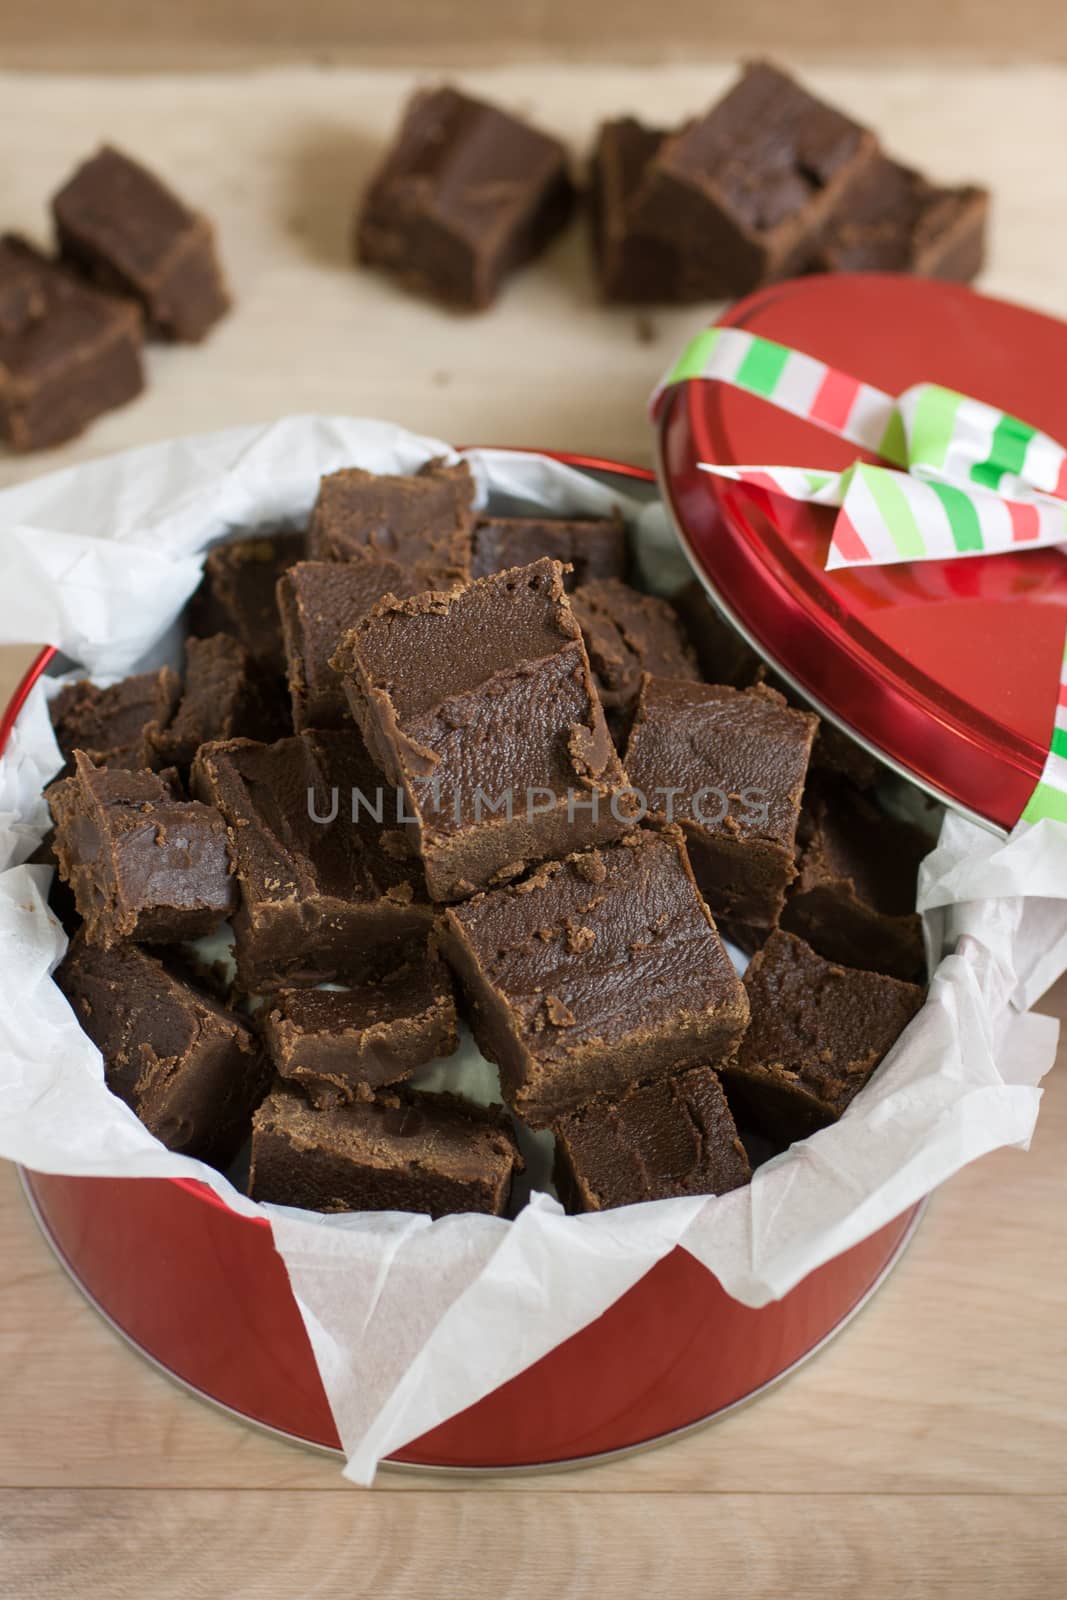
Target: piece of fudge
[(466, 194), (595, 973), (420, 522), (817, 1032), (725, 657), (119, 726), (627, 633), (22, 296), (319, 602), (401, 1151), (853, 899), (658, 1140), (744, 194), (192, 1070), (480, 708), (593, 547), (60, 897), (729, 765), (225, 696), (632, 266), (345, 1043), (67, 351), (238, 594), (318, 889), (897, 221), (119, 224), (142, 864)]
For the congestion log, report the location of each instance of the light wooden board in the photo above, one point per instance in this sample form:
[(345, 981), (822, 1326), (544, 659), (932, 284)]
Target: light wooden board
[(922, 1453)]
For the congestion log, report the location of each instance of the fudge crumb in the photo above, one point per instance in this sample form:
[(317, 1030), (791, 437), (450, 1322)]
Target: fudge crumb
[(559, 1014), (579, 938), (591, 867)]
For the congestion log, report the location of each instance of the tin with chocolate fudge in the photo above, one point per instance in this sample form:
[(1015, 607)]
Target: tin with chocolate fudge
[(606, 962)]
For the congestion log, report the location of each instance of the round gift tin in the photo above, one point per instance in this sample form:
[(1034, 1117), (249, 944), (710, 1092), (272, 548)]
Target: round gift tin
[(947, 670), (202, 1293)]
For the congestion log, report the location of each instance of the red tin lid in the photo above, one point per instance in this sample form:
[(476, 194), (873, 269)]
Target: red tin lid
[(947, 670)]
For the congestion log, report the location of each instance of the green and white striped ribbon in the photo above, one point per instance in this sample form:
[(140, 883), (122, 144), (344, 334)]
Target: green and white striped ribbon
[(976, 480), (963, 478)]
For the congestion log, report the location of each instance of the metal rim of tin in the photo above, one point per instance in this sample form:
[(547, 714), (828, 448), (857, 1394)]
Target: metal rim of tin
[(8, 718)]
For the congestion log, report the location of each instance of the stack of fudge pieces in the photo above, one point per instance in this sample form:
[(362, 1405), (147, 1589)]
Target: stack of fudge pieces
[(419, 753), (131, 257), (769, 183)]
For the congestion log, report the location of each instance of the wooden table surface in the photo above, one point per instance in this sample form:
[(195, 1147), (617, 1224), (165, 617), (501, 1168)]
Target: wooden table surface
[(922, 1454)]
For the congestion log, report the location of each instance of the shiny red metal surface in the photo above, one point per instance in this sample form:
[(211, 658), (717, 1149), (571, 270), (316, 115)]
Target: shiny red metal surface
[(203, 1293), (949, 668)]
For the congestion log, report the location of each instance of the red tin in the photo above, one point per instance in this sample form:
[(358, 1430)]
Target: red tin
[(947, 670), (202, 1292)]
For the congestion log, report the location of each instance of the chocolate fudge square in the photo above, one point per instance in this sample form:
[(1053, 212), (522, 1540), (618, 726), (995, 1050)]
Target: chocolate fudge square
[(345, 1043), (632, 266), (119, 726), (225, 696), (744, 194), (595, 973), (480, 708), (897, 221), (142, 864), (132, 235), (317, 890), (729, 765), (656, 1142), (22, 297), (67, 352), (594, 547), (192, 1070), (319, 602), (854, 896), (467, 194), (420, 522), (725, 657), (818, 1031), (238, 594), (402, 1151), (626, 634)]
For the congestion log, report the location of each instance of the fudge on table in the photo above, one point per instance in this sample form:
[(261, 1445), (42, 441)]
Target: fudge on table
[(318, 890), (594, 547), (192, 1070), (729, 765), (854, 894), (897, 221), (320, 601), (466, 194), (480, 708), (67, 351), (225, 696), (744, 194), (659, 1140), (401, 1151), (119, 726), (132, 235), (420, 522), (237, 594), (725, 657), (627, 633), (595, 973), (631, 265), (142, 864), (817, 1032), (345, 1043)]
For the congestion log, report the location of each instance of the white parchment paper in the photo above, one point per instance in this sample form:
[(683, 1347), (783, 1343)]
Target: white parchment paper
[(412, 1321)]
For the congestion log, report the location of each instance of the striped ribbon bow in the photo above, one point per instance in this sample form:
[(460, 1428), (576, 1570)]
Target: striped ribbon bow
[(964, 478)]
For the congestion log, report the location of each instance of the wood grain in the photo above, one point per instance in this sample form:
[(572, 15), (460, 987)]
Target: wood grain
[(923, 1453), (113, 34)]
